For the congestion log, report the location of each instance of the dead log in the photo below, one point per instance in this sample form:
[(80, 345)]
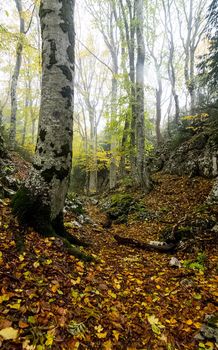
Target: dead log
[(152, 246)]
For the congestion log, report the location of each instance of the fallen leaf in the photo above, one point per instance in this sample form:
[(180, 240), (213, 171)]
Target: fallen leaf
[(107, 345), (116, 334), (9, 333), (101, 335)]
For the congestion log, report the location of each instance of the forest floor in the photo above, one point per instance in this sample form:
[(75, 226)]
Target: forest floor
[(129, 300)]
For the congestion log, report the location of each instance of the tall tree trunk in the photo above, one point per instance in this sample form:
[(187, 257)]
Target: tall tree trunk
[(93, 147), (40, 202), (142, 173), (171, 67), (25, 119), (15, 76), (159, 92), (130, 31), (113, 166)]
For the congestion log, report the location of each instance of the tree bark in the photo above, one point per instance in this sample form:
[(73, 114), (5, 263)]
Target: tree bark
[(40, 202), (15, 76), (142, 172)]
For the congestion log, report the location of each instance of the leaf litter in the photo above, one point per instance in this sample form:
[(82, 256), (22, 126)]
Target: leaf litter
[(130, 299)]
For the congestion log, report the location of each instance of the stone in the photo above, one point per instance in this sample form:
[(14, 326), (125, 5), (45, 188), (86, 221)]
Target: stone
[(174, 262), (209, 329)]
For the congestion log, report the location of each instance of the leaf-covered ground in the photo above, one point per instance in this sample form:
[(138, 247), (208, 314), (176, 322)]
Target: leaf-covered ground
[(130, 299)]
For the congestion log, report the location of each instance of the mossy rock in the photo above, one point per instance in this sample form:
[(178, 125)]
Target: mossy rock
[(120, 205), (198, 141)]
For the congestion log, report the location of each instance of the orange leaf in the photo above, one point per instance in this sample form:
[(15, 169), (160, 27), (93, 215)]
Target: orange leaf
[(23, 324)]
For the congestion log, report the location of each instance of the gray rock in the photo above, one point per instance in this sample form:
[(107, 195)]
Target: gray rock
[(209, 329), (213, 196), (174, 262)]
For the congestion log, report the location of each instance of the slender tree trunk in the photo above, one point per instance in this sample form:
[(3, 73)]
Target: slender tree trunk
[(15, 76), (40, 202), (93, 146), (158, 116), (142, 173), (130, 31), (113, 166), (122, 165), (25, 119), (1, 116)]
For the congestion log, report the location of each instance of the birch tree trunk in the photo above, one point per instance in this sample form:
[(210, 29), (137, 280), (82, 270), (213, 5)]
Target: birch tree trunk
[(15, 76), (40, 202)]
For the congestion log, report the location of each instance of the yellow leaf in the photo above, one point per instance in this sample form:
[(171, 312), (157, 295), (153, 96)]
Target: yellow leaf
[(9, 333), (80, 264), (116, 334), (50, 337), (77, 281), (158, 287), (189, 322), (14, 306), (197, 325), (101, 335), (4, 297), (21, 257), (99, 328), (139, 281), (210, 344), (36, 264), (55, 287), (107, 345), (48, 262), (113, 295)]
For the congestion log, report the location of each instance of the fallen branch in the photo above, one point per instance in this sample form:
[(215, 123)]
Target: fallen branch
[(157, 246)]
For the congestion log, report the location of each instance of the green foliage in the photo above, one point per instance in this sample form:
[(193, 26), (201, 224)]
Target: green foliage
[(189, 126), (198, 264)]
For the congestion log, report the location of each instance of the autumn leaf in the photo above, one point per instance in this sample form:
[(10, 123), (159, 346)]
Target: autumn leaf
[(102, 335), (23, 324), (116, 334), (155, 324), (50, 337), (9, 333), (107, 345)]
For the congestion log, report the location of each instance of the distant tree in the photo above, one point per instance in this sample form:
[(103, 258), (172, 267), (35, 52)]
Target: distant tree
[(106, 17), (16, 73), (191, 20), (209, 62)]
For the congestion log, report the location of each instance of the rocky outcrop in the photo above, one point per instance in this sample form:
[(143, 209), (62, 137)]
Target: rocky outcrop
[(196, 157), (213, 196), (192, 151)]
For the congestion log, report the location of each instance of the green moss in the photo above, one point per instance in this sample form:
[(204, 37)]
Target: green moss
[(120, 206), (31, 211)]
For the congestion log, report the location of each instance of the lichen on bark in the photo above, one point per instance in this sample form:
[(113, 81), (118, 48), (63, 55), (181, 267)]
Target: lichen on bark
[(40, 201)]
